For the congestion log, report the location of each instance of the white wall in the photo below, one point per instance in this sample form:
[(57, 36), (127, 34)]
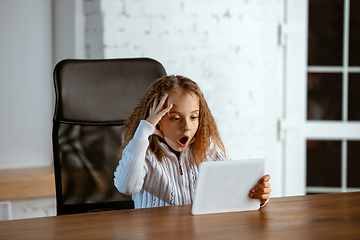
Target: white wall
[(228, 47), (68, 29), (26, 93), (26, 100)]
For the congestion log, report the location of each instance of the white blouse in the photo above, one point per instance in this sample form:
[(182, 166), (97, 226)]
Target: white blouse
[(152, 183)]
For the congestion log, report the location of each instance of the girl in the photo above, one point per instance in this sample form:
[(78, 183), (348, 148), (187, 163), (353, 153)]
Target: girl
[(169, 133)]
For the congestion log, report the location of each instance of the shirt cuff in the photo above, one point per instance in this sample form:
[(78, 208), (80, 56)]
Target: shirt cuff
[(144, 130), (263, 205)]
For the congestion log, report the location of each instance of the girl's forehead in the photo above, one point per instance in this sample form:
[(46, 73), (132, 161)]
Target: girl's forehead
[(183, 99), (183, 95)]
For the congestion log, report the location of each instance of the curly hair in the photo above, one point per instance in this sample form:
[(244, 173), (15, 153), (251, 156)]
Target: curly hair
[(207, 131)]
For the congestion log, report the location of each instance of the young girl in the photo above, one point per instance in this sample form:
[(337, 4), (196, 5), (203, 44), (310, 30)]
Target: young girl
[(169, 133)]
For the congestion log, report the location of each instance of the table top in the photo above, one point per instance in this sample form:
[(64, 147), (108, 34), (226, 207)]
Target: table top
[(325, 216)]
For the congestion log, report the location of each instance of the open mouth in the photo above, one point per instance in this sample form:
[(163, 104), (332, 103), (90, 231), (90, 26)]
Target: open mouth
[(182, 141)]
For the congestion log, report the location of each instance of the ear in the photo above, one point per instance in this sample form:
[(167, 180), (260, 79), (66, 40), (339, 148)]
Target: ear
[(158, 131)]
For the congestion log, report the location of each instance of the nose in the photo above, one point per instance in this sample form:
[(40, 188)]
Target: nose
[(186, 126)]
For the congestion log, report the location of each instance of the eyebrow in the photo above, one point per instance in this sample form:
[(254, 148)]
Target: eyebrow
[(172, 112)]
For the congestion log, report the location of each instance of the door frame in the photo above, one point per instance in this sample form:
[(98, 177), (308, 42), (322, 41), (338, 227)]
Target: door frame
[(291, 125)]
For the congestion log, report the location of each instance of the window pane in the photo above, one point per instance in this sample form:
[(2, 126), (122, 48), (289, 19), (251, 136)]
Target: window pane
[(354, 38), (353, 165), (324, 100), (325, 32), (354, 97), (323, 163)]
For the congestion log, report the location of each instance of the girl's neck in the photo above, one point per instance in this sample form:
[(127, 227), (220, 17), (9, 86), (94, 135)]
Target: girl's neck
[(177, 154)]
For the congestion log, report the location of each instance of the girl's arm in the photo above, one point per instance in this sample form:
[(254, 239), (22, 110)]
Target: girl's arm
[(131, 171)]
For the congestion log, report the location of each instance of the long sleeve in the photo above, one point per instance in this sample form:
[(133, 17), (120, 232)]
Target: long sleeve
[(130, 173)]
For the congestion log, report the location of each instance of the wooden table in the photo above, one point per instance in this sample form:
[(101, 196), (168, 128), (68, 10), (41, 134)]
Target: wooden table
[(327, 216)]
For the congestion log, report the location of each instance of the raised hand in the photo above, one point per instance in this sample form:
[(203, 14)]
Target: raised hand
[(262, 190), (156, 112)]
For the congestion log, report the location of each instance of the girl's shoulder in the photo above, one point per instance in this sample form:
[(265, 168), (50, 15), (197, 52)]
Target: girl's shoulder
[(151, 159)]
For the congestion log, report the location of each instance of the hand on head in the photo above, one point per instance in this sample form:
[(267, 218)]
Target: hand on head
[(156, 112), (262, 190)]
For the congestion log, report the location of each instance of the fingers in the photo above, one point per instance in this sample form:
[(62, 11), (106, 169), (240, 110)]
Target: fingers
[(156, 112), (265, 178), (164, 111), (159, 116), (262, 190), (152, 110), (157, 106), (262, 196), (262, 183), (161, 104)]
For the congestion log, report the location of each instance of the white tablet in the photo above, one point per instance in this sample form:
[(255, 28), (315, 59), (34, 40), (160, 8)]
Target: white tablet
[(225, 186)]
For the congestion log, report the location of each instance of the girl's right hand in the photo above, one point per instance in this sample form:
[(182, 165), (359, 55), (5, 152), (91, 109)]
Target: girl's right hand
[(156, 112)]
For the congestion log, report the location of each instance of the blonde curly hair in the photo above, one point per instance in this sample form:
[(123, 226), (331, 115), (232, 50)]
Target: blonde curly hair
[(207, 131)]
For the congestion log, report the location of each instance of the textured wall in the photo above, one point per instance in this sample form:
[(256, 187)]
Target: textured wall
[(228, 47), (32, 208)]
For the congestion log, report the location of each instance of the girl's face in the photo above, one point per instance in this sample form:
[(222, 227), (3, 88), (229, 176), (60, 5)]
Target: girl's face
[(181, 123)]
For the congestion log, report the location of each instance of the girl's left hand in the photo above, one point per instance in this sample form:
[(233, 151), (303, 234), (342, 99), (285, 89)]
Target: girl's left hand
[(262, 190)]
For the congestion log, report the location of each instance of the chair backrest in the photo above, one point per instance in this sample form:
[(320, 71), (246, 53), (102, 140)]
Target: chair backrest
[(93, 100)]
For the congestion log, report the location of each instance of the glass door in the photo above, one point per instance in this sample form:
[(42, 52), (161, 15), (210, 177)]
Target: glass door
[(332, 126)]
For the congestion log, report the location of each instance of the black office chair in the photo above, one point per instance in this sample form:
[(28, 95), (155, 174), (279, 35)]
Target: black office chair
[(93, 99)]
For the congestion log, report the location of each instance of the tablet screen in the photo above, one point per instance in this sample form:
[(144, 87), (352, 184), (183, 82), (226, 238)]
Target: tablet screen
[(225, 186)]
